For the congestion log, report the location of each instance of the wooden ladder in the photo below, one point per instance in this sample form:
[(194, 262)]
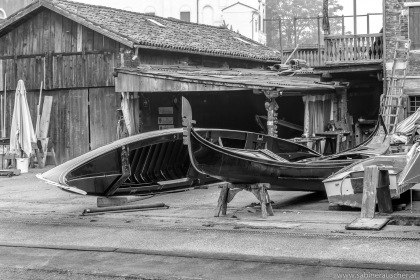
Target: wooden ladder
[(391, 102)]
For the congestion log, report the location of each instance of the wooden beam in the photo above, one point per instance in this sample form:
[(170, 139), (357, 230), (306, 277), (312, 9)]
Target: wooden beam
[(131, 81), (44, 123)]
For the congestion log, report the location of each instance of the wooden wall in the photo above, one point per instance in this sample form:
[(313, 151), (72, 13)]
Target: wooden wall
[(64, 54), (81, 119)]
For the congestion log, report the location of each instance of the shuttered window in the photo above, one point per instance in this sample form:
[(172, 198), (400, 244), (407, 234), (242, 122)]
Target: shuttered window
[(414, 27), (185, 16)]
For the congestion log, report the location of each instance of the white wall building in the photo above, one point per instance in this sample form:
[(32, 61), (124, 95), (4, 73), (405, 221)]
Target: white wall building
[(243, 16)]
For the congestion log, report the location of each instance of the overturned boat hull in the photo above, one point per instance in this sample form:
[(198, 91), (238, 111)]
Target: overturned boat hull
[(148, 162)]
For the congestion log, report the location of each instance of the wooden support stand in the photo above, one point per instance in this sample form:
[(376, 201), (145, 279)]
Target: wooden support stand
[(43, 149), (229, 191), (375, 188)]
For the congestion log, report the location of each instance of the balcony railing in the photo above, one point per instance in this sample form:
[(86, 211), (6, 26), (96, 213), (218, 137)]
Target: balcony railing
[(353, 48), (308, 53), (341, 49)]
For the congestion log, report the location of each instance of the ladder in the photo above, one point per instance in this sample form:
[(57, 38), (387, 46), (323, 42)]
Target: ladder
[(391, 102)]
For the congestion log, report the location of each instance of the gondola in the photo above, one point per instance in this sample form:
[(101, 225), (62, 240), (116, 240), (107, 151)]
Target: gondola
[(289, 167)]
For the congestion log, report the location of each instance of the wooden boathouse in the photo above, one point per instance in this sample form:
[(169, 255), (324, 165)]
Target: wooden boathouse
[(99, 63), (73, 48)]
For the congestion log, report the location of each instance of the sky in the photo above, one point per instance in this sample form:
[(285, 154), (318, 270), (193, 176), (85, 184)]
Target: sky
[(363, 7)]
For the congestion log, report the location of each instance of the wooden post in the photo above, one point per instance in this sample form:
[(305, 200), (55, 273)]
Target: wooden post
[(325, 18), (342, 104), (338, 143), (263, 200), (375, 182), (222, 202), (5, 106), (383, 193), (38, 112), (370, 182)]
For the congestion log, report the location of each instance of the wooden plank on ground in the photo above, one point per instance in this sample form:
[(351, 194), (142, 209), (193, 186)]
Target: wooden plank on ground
[(368, 223)]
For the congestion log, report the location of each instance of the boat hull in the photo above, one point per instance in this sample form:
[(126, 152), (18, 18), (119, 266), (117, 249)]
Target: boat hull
[(245, 167), (148, 162), (346, 187)]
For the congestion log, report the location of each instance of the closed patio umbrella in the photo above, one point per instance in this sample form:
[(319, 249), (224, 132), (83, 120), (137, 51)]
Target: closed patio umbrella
[(22, 131)]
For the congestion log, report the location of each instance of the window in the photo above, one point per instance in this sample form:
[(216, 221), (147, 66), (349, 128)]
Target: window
[(2, 14), (185, 16), (208, 15), (414, 27), (414, 104), (185, 13)]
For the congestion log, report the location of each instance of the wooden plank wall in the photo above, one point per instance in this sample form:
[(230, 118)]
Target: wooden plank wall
[(69, 128), (103, 118), (70, 54), (69, 124)]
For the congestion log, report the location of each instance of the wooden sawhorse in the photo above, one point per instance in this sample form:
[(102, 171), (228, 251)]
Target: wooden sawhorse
[(229, 191)]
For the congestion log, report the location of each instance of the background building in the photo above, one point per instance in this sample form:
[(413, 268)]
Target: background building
[(8, 7), (245, 16)]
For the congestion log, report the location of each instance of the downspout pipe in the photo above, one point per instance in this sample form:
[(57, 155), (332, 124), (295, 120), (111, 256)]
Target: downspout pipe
[(198, 2)]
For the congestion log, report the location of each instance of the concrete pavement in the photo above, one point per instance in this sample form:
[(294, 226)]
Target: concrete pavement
[(36, 216)]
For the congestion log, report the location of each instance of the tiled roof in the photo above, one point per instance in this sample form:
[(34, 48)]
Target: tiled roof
[(136, 29)]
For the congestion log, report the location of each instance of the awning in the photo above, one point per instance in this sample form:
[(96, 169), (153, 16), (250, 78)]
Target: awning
[(179, 78)]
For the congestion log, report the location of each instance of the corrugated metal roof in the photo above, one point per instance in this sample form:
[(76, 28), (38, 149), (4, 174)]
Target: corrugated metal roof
[(260, 79), (136, 29)]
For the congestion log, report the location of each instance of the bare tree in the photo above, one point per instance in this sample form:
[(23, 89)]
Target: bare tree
[(306, 29)]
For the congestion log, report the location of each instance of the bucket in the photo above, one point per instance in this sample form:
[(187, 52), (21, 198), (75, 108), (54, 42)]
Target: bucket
[(22, 164)]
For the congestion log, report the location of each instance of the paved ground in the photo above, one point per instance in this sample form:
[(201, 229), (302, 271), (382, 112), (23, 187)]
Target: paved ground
[(43, 235)]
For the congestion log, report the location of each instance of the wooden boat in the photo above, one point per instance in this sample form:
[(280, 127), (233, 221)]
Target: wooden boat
[(283, 164), (345, 188)]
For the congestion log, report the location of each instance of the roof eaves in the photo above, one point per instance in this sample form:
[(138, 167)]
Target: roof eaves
[(204, 52)]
